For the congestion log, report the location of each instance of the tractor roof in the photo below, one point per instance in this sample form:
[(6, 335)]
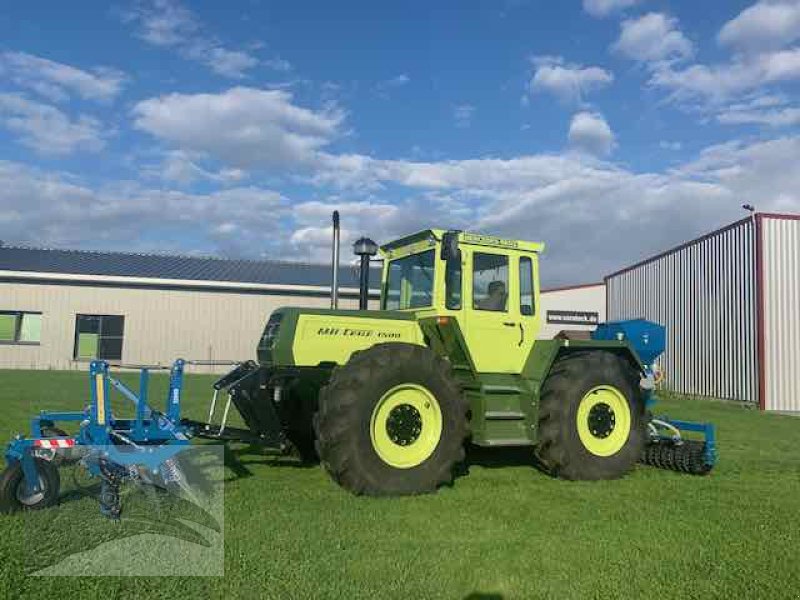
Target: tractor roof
[(428, 237)]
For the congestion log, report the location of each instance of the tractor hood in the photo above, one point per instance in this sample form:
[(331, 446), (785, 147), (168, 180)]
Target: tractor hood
[(311, 337)]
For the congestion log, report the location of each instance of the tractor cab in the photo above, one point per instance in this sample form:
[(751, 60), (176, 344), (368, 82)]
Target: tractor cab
[(488, 285)]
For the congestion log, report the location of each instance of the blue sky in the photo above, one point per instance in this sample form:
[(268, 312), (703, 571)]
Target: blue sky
[(608, 129)]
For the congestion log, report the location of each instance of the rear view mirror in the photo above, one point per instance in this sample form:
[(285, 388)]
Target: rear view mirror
[(449, 245)]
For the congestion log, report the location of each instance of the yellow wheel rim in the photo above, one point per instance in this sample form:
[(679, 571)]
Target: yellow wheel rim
[(406, 426), (604, 420)]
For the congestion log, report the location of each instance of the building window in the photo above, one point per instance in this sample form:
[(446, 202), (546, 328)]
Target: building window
[(490, 282), (526, 307), (99, 336), (18, 327)]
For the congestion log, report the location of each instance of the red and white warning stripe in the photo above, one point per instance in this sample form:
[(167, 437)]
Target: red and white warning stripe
[(55, 443)]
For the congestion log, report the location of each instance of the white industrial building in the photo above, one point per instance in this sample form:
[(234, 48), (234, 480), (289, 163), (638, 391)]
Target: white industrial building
[(731, 303), (60, 309), (576, 307)]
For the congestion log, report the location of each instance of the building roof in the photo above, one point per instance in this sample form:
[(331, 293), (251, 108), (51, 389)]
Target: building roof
[(188, 268)]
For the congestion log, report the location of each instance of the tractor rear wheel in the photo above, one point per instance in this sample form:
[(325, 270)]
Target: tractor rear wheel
[(14, 496), (392, 421), (592, 422)]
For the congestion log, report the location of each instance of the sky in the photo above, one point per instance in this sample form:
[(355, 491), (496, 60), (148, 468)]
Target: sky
[(608, 129)]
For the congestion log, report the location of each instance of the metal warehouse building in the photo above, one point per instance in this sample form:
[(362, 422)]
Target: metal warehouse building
[(59, 309), (731, 303)]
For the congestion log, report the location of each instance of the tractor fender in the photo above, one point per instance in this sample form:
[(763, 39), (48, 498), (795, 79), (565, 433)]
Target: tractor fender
[(546, 352)]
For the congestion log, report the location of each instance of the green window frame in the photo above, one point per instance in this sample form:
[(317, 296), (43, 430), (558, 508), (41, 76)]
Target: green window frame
[(20, 327), (99, 337)]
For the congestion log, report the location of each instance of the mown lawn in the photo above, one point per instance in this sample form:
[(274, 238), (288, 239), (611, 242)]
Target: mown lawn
[(503, 531)]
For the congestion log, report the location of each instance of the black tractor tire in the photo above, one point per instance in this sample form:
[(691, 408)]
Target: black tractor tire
[(12, 491), (560, 450), (344, 420)]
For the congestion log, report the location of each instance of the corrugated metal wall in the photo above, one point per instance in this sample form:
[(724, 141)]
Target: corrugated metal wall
[(781, 303), (705, 294)]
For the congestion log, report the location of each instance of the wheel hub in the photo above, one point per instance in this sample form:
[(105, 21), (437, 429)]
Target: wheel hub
[(404, 425), (29, 499), (602, 420)]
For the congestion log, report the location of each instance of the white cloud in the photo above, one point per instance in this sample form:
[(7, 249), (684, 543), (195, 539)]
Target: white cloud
[(651, 38), (558, 199), (229, 63), (278, 64), (56, 81), (242, 126), (311, 238), (666, 145), (568, 82), (589, 132), (167, 23), (50, 209), (462, 114), (766, 25), (163, 22), (603, 8), (719, 83), (776, 117), (182, 168), (46, 129), (758, 67)]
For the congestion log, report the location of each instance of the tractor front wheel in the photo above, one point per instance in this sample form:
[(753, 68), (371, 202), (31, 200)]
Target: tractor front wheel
[(13, 493), (392, 421), (592, 422)]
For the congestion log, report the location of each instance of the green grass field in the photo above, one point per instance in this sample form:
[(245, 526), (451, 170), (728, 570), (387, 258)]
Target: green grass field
[(503, 531)]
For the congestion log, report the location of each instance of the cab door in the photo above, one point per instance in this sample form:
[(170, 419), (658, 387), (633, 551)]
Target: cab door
[(495, 331), (528, 302)]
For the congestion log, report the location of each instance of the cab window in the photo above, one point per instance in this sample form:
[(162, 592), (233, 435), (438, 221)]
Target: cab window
[(490, 282), (526, 307), (410, 282)]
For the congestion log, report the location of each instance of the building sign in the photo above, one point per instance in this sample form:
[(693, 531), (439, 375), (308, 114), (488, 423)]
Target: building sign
[(572, 317)]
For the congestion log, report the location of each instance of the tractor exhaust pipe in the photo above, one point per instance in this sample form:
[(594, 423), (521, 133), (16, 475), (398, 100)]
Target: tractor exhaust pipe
[(335, 262), (364, 248)]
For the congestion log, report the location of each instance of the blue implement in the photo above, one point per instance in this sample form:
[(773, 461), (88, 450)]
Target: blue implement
[(666, 446), (111, 448)]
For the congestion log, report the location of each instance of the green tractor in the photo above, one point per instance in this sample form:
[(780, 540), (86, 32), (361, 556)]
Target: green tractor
[(387, 399)]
